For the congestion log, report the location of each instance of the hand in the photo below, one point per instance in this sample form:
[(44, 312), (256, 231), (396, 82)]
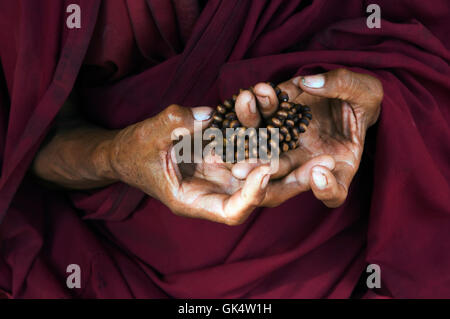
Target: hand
[(344, 104), (142, 155)]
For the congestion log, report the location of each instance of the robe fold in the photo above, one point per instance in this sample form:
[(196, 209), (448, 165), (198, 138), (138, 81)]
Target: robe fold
[(132, 58)]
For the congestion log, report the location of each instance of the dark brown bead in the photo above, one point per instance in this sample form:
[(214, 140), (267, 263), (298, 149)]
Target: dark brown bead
[(217, 118), (221, 109), (283, 96), (291, 120), (305, 108), (307, 115), (228, 104), (284, 130), (285, 106), (277, 90), (277, 122), (292, 145), (270, 128), (235, 124), (289, 123), (282, 115), (231, 116), (288, 137), (304, 121), (295, 133)]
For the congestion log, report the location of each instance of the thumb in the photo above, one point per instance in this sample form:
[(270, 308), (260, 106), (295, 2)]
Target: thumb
[(355, 88), (177, 121)]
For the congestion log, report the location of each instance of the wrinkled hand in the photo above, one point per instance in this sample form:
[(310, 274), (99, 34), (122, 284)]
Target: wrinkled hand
[(142, 155), (344, 104)]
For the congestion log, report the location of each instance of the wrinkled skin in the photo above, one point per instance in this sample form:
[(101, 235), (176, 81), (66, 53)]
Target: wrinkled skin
[(326, 162)]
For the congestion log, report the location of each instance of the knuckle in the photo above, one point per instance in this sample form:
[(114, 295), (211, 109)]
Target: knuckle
[(140, 132), (261, 86), (172, 109), (173, 115), (342, 73), (377, 89), (359, 87), (345, 83)]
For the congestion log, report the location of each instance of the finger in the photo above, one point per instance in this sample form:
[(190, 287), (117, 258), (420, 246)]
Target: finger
[(326, 188), (246, 110), (176, 121), (296, 182), (267, 99), (241, 170), (345, 172), (291, 87), (356, 88), (242, 203), (288, 162)]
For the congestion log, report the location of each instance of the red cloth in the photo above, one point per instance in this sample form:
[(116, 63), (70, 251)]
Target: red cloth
[(129, 245)]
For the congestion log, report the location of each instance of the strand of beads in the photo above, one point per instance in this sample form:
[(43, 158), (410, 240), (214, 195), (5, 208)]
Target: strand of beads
[(291, 119)]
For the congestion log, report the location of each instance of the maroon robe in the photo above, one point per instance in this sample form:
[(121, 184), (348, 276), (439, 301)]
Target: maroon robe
[(130, 245)]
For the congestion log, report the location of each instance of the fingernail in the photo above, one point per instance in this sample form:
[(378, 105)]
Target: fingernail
[(265, 181), (314, 81), (319, 179), (202, 113)]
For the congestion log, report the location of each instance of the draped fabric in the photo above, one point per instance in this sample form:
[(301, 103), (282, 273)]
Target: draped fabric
[(131, 59)]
